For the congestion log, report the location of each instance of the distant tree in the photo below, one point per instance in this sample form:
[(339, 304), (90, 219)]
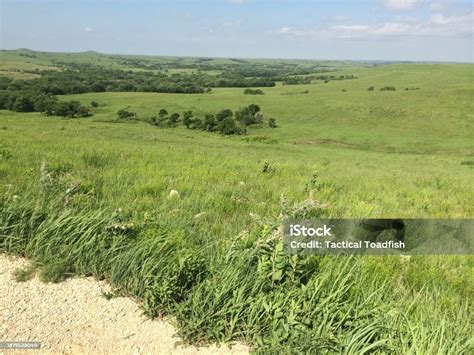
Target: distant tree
[(249, 115), (123, 114), (228, 126), (371, 88), (98, 87), (210, 123), (174, 118), (195, 123), (187, 115), (163, 113), (71, 109), (221, 115), (23, 104), (94, 104), (253, 92)]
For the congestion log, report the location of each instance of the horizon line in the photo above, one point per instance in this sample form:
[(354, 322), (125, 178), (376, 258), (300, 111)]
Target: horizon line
[(250, 58)]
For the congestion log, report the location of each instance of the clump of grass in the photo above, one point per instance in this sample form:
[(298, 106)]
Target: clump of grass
[(56, 271), (260, 139), (26, 273), (94, 159)]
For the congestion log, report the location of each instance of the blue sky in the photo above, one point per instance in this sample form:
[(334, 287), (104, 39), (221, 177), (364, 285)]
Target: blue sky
[(420, 30)]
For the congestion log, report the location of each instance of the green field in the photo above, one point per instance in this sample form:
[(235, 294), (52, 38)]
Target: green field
[(92, 196)]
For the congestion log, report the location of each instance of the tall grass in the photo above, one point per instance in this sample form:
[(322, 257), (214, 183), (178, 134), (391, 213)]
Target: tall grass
[(247, 289)]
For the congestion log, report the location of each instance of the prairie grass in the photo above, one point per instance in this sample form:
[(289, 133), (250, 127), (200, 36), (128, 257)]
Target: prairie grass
[(92, 197)]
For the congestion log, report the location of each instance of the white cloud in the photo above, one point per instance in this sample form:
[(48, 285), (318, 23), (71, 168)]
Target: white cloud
[(285, 30), (87, 29), (402, 5), (351, 28), (437, 26)]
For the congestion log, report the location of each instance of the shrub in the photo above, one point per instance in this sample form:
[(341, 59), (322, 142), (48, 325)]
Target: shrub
[(94, 104), (123, 114), (388, 88), (187, 115), (163, 113), (210, 123), (71, 109), (195, 123), (272, 123), (221, 115), (173, 119), (249, 115), (371, 88), (228, 126), (253, 92)]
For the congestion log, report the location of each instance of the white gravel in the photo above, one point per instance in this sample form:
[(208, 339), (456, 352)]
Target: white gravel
[(73, 317)]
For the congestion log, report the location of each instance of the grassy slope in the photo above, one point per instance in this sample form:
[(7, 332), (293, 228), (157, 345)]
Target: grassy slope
[(369, 154)]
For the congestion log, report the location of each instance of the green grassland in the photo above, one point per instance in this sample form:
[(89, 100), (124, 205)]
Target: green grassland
[(92, 196)]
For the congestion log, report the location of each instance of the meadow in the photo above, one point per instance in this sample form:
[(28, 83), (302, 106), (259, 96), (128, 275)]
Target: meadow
[(187, 221)]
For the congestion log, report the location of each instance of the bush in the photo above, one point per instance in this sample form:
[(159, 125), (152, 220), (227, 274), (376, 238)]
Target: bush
[(123, 114), (187, 115), (388, 88), (210, 123), (272, 123), (221, 115), (163, 113), (71, 109), (371, 88), (94, 104), (195, 123), (228, 126), (173, 119), (249, 115), (253, 92)]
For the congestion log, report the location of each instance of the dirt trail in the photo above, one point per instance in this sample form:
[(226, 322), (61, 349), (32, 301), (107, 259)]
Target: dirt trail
[(73, 317)]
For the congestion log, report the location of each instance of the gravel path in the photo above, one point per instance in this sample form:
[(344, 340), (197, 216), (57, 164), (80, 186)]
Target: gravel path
[(73, 317)]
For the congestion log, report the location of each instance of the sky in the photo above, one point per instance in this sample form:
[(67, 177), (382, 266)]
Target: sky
[(408, 30)]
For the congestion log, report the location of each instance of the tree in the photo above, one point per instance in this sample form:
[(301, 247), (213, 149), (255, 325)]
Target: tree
[(163, 113), (45, 103), (23, 104), (174, 118), (71, 109), (187, 115), (371, 88), (195, 123), (227, 126), (210, 123), (122, 114), (221, 115)]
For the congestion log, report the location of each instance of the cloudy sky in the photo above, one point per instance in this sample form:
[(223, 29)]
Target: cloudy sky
[(419, 30)]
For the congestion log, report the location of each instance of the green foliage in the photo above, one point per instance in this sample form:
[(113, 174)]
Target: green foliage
[(221, 115), (388, 88), (253, 92), (272, 123), (26, 273), (124, 114), (72, 109)]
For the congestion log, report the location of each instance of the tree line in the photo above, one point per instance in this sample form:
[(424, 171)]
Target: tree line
[(226, 121)]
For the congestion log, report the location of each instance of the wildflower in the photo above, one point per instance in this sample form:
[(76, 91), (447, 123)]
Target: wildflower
[(173, 194)]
